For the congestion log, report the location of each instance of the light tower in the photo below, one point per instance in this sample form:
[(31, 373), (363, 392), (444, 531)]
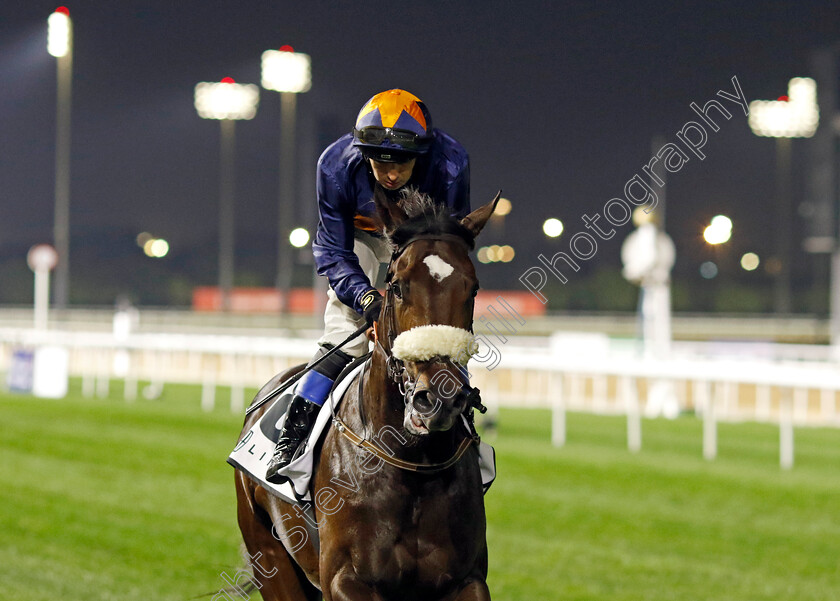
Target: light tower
[(60, 45), (795, 115), (226, 101), (289, 73)]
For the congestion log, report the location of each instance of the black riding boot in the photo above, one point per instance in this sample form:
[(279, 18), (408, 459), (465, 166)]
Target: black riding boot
[(312, 392), (299, 420)]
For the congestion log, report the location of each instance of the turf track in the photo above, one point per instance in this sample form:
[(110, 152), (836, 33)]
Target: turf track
[(102, 499)]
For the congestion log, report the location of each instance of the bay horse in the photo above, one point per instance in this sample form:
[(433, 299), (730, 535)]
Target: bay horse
[(397, 490)]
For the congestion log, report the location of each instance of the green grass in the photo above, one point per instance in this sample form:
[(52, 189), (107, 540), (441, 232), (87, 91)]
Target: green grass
[(597, 522), (103, 499)]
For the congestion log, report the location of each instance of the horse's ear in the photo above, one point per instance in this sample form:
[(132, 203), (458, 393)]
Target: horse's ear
[(390, 213), (476, 220)]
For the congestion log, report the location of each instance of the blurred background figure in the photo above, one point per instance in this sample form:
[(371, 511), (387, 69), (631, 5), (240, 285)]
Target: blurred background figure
[(648, 256), (126, 321)]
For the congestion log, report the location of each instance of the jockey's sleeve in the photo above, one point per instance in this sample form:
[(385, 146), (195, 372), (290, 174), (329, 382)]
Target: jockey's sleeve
[(458, 192), (449, 177), (333, 243)]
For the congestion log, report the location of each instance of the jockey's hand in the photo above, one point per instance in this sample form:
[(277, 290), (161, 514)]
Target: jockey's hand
[(372, 304)]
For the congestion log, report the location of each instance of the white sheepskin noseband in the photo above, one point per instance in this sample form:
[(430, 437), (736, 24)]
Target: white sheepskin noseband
[(424, 342)]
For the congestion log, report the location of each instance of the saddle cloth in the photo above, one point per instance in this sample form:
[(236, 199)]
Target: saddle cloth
[(254, 450)]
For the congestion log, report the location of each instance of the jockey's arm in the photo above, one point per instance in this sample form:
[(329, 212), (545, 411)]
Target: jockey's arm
[(333, 243)]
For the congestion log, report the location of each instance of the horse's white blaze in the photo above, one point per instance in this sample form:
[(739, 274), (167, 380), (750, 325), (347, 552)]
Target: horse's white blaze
[(424, 342), (438, 267)]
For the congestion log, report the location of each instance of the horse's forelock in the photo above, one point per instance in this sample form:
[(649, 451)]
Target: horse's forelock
[(415, 203), (425, 216)]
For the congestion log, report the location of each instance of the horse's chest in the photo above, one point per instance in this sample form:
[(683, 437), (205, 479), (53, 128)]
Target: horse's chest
[(396, 531), (418, 540)]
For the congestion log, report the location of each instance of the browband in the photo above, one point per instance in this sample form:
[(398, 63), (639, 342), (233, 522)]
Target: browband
[(401, 248)]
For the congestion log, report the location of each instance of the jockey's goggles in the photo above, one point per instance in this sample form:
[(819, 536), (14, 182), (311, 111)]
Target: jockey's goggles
[(405, 140)]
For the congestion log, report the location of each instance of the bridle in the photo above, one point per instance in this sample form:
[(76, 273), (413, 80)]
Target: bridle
[(396, 367), (399, 375)]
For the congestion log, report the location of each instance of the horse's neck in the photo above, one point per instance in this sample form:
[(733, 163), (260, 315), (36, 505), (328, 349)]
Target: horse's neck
[(382, 401)]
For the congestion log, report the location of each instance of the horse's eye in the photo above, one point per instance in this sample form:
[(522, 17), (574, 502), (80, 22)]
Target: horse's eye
[(475, 291), (396, 290)]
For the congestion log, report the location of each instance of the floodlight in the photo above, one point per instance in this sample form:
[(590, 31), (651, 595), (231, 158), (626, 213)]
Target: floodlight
[(226, 100), (286, 71), (59, 32), (796, 117)]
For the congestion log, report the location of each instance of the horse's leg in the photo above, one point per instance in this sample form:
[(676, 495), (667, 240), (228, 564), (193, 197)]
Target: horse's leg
[(274, 573)]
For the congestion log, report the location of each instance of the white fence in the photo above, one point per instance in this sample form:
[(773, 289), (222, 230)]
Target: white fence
[(788, 384), (786, 392), (235, 362)]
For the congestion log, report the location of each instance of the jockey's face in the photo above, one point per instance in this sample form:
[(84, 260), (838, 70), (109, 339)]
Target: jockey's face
[(392, 176)]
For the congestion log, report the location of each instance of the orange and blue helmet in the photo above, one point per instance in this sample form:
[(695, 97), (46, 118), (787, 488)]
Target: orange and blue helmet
[(393, 127)]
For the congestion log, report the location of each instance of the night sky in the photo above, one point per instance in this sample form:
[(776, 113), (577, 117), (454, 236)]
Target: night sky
[(556, 102)]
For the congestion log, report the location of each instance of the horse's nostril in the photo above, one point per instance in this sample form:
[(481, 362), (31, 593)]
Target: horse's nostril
[(424, 402)]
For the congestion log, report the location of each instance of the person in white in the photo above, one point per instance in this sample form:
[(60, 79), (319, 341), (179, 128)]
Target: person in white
[(648, 256)]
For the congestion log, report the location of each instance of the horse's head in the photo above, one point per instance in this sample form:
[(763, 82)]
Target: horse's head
[(425, 327)]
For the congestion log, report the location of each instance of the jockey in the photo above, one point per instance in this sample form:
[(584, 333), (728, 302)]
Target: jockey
[(392, 145)]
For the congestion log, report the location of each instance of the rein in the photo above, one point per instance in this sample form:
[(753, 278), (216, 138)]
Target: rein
[(398, 374), (365, 443), (423, 468)]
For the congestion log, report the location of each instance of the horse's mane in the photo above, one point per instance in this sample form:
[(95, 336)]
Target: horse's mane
[(425, 216)]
